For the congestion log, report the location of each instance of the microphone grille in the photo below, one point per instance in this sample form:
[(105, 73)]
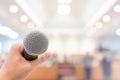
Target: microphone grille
[(35, 43)]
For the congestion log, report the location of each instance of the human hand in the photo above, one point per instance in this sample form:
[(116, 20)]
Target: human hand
[(17, 67)]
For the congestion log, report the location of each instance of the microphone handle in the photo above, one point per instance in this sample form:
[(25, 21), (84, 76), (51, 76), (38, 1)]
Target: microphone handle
[(28, 57)]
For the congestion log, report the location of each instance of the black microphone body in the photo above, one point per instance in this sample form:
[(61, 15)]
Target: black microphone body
[(35, 43), (27, 56)]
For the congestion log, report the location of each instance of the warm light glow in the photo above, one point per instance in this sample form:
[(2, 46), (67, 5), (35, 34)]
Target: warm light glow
[(105, 8), (63, 9), (88, 45), (55, 45), (30, 25), (72, 46), (13, 9), (98, 25), (106, 18), (64, 1), (94, 30), (117, 8), (118, 32), (30, 13), (23, 18)]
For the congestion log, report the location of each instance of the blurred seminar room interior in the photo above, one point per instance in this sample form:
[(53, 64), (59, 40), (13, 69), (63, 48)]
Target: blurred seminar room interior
[(84, 36)]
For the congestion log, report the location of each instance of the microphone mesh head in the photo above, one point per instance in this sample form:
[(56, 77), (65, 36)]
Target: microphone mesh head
[(35, 43)]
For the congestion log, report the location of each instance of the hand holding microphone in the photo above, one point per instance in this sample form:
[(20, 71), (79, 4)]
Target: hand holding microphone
[(23, 57), (35, 43)]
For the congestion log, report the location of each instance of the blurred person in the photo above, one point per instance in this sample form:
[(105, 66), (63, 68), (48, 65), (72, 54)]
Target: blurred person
[(18, 68), (106, 64), (88, 60)]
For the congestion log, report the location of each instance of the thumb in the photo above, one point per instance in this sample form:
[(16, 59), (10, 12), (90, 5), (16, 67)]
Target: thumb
[(42, 58), (16, 49)]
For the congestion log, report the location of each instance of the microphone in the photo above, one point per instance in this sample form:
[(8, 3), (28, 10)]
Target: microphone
[(35, 43)]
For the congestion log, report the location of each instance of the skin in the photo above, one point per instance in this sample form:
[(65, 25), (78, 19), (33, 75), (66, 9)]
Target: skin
[(16, 67)]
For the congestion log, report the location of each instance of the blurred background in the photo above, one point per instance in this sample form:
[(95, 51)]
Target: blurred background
[(84, 36)]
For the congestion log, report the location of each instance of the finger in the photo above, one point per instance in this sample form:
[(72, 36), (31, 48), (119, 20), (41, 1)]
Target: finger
[(16, 49), (42, 58)]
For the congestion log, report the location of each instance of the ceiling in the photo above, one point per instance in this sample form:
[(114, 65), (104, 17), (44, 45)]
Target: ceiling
[(43, 13), (65, 31)]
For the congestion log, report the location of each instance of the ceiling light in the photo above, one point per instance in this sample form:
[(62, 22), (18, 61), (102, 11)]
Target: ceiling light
[(118, 32), (63, 9), (98, 25), (23, 18), (106, 18), (117, 8), (13, 9), (13, 35), (29, 12), (8, 32), (64, 1), (30, 25)]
